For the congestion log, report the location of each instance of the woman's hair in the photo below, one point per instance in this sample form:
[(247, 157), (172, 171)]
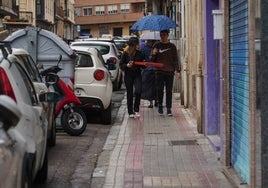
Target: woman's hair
[(131, 51), (132, 46)]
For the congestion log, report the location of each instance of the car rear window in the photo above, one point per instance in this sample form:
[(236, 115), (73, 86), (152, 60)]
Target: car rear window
[(104, 49), (84, 60), (120, 44)]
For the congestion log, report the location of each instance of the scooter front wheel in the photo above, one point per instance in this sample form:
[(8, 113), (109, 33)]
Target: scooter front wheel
[(73, 121)]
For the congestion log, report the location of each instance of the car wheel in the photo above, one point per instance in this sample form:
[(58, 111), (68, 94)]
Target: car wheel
[(116, 83), (120, 82), (26, 181), (41, 176), (52, 138), (106, 115)]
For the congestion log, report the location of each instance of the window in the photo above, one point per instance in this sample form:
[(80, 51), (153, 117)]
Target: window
[(99, 10), (28, 85), (84, 60), (87, 11), (31, 68), (104, 49), (125, 8), (112, 9), (77, 12)]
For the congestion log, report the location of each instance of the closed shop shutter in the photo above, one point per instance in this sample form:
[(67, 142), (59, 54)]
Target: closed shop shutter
[(239, 88)]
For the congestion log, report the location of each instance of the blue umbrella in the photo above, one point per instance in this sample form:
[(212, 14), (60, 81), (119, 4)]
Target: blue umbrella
[(153, 23)]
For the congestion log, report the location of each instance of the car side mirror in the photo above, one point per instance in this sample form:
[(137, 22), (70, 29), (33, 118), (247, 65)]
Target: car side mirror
[(50, 97), (108, 64), (39, 65), (9, 112)]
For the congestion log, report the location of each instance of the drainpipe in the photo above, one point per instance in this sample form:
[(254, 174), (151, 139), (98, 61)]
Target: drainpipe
[(199, 81), (199, 96), (185, 81)]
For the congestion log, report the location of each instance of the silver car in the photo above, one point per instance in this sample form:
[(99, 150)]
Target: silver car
[(40, 86), (32, 127)]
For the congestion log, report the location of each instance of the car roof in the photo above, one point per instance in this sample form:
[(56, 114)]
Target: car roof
[(85, 49), (92, 42), (96, 39)]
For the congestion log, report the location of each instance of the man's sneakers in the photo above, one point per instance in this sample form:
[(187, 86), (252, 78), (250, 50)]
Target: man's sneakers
[(160, 111), (169, 113)]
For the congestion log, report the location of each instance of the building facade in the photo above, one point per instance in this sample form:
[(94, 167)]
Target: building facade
[(7, 8), (225, 81), (114, 17), (53, 15)]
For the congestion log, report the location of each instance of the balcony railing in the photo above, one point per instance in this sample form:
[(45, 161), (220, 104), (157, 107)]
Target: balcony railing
[(26, 16)]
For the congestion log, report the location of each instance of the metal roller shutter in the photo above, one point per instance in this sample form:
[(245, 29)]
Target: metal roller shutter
[(239, 88)]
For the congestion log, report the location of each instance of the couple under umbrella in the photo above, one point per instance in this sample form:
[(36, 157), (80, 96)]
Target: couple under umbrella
[(162, 52)]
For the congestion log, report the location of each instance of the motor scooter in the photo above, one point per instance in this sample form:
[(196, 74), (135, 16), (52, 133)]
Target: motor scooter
[(73, 119)]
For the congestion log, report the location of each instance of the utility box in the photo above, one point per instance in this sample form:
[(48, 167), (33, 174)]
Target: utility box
[(217, 24), (45, 48)]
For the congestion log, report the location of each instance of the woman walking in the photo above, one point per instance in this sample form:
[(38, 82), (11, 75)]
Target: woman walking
[(132, 76)]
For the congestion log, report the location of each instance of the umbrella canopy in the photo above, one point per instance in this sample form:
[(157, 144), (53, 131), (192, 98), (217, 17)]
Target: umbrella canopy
[(153, 23), (154, 35)]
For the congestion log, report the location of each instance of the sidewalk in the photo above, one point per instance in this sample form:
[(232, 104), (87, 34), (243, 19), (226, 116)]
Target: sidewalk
[(158, 151)]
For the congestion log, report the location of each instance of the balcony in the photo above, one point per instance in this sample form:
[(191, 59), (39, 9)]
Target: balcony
[(59, 12), (25, 18), (110, 18)]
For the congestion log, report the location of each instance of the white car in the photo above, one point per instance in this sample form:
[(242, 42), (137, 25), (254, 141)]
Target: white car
[(40, 87), (109, 53), (16, 83), (92, 83)]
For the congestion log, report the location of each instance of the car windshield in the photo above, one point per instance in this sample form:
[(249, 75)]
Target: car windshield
[(104, 49)]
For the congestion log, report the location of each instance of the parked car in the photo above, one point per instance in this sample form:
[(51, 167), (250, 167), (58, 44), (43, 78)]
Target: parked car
[(120, 44), (109, 53), (16, 83), (93, 83), (13, 155), (40, 87)]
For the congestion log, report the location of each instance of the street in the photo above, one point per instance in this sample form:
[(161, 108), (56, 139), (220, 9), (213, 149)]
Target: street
[(73, 159)]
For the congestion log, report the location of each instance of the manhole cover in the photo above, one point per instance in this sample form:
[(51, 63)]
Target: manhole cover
[(182, 142)]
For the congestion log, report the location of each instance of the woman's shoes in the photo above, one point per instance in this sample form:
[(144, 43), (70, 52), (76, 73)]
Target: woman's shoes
[(131, 116), (134, 115), (151, 104)]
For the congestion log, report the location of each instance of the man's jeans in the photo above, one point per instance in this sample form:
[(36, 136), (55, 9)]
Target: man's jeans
[(164, 80)]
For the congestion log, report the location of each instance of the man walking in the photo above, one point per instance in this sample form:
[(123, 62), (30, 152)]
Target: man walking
[(166, 53)]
